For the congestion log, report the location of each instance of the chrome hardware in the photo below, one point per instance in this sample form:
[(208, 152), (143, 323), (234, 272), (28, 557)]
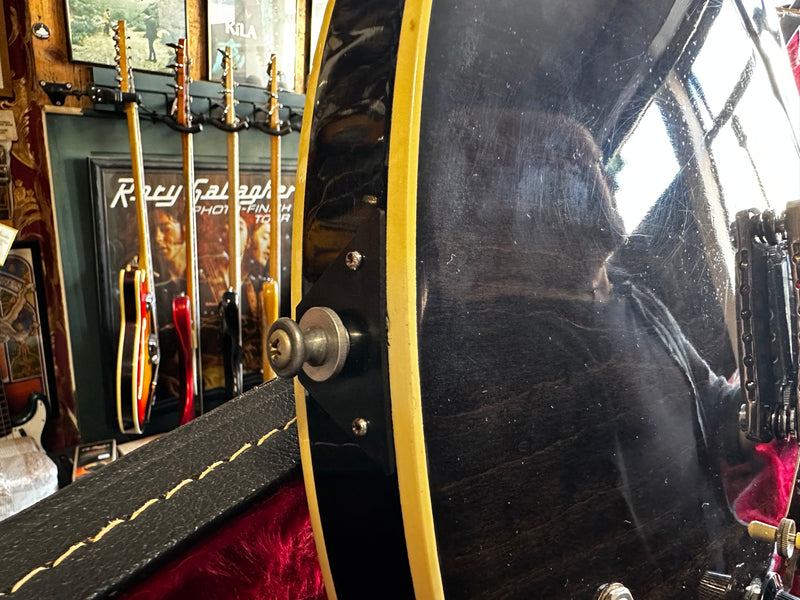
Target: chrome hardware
[(360, 427), (353, 260), (613, 591), (318, 345)]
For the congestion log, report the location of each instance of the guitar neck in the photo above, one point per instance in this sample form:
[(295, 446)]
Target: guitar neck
[(275, 177), (234, 235), (137, 165), (190, 228)]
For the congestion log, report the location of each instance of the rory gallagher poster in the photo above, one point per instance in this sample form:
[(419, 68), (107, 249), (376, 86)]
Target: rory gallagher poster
[(116, 237)]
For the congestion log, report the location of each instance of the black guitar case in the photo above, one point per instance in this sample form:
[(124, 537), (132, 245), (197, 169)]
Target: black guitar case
[(109, 530)]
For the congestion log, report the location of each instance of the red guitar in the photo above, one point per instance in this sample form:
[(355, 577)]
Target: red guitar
[(138, 355), (185, 308)]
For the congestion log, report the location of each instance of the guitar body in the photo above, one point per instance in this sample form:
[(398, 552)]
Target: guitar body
[(536, 400), (182, 318), (137, 357), (231, 343), (30, 425)]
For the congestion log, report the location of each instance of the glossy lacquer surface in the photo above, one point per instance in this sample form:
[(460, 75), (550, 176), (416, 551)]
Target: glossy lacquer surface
[(580, 167), (354, 477)]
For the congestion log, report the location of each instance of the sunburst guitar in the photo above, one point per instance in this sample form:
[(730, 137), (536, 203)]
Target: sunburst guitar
[(138, 352)]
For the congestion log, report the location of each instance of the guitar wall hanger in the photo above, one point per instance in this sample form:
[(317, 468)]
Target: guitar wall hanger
[(262, 123), (216, 117), (101, 95), (58, 92)]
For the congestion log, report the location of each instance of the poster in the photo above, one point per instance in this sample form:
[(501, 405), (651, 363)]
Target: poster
[(253, 29), (117, 243)]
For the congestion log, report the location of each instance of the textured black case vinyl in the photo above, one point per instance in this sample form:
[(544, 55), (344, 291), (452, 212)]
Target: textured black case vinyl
[(133, 548)]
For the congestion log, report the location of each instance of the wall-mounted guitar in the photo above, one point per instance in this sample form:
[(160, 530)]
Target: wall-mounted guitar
[(138, 355), (230, 309), (271, 291), (186, 307)]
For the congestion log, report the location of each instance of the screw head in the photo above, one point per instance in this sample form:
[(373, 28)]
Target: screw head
[(280, 348), (360, 426), (353, 260)]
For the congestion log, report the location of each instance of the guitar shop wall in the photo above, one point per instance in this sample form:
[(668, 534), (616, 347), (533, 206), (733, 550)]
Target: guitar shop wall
[(73, 196)]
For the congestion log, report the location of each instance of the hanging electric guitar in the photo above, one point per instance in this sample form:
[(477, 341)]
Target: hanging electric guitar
[(185, 308), (270, 292), (508, 383), (230, 309), (138, 354)]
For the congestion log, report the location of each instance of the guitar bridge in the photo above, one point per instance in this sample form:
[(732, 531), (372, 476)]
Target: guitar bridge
[(767, 258)]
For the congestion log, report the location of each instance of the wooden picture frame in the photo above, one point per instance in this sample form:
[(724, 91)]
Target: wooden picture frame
[(116, 243), (151, 25), (6, 86)]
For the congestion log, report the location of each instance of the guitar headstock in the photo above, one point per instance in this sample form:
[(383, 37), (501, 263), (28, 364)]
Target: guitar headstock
[(121, 58), (182, 80), (227, 86), (272, 73)]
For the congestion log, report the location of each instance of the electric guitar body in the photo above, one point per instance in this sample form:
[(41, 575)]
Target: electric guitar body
[(138, 353), (136, 373), (514, 290), (182, 318)]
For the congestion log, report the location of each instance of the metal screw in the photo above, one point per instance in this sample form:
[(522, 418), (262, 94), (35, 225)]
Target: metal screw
[(353, 260), (360, 426), (614, 591), (280, 348)]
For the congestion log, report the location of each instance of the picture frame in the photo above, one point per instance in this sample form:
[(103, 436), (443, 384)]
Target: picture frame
[(151, 25), (6, 87), (253, 29), (116, 243), (26, 356)]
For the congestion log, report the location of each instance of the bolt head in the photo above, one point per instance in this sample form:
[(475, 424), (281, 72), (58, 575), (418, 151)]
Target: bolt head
[(353, 260), (360, 426)]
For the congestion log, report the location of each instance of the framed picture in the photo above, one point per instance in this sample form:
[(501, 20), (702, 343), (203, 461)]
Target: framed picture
[(6, 89), (253, 29), (151, 25), (26, 361), (116, 237)]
